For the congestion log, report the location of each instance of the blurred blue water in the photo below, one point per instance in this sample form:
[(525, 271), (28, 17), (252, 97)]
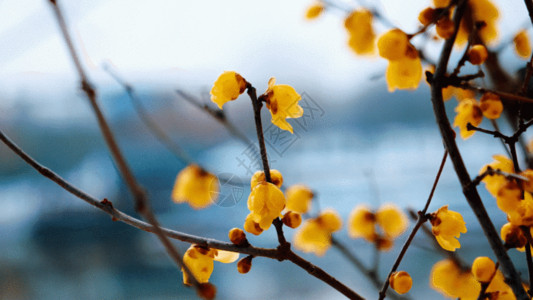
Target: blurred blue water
[(372, 148)]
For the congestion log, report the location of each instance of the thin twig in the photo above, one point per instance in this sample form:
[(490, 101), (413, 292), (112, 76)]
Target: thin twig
[(143, 114), (504, 95), (117, 215), (370, 274), (422, 218), (470, 191), (141, 201), (217, 115)]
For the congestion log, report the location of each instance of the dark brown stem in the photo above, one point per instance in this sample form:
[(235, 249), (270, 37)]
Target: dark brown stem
[(469, 190), (527, 234), (117, 215), (143, 114), (504, 95), (217, 115), (422, 218), (141, 201), (257, 105), (322, 275)]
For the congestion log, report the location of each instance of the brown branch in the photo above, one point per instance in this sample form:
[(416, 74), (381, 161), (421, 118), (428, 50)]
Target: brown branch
[(422, 218), (322, 275), (469, 190), (117, 215), (504, 95), (217, 115), (141, 201), (143, 114)]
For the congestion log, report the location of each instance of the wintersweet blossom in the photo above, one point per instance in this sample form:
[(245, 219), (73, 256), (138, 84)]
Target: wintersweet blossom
[(282, 102), (361, 34), (405, 68), (266, 201), (522, 45), (468, 111), (195, 186), (314, 235), (227, 87), (448, 278), (299, 198), (199, 260), (447, 226)]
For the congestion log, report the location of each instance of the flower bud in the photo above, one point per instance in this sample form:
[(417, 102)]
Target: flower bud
[(400, 282), (238, 237), (292, 219), (244, 265)]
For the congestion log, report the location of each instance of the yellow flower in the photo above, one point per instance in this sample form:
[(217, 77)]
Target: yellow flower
[(493, 183), (468, 111), (522, 45), (447, 278), (282, 101), (266, 201), (195, 186), (483, 269), (227, 87), (491, 105), (509, 197), (401, 282), (360, 31), (314, 11), (314, 235), (393, 44), (528, 185), (405, 68), (447, 226), (482, 11), (392, 220), (441, 3), (251, 226), (361, 223), (199, 260), (259, 177), (427, 16), (404, 73), (499, 288), (299, 198), (477, 54), (513, 237), (523, 214)]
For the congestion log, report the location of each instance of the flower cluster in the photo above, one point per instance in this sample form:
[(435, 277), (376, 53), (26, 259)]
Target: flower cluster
[(447, 225), (512, 197), (281, 99), (379, 227)]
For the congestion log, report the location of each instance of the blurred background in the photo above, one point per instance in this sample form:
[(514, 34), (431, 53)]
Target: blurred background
[(357, 143)]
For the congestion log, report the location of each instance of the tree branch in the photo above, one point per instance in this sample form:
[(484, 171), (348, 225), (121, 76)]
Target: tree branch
[(469, 189), (422, 218), (141, 201)]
